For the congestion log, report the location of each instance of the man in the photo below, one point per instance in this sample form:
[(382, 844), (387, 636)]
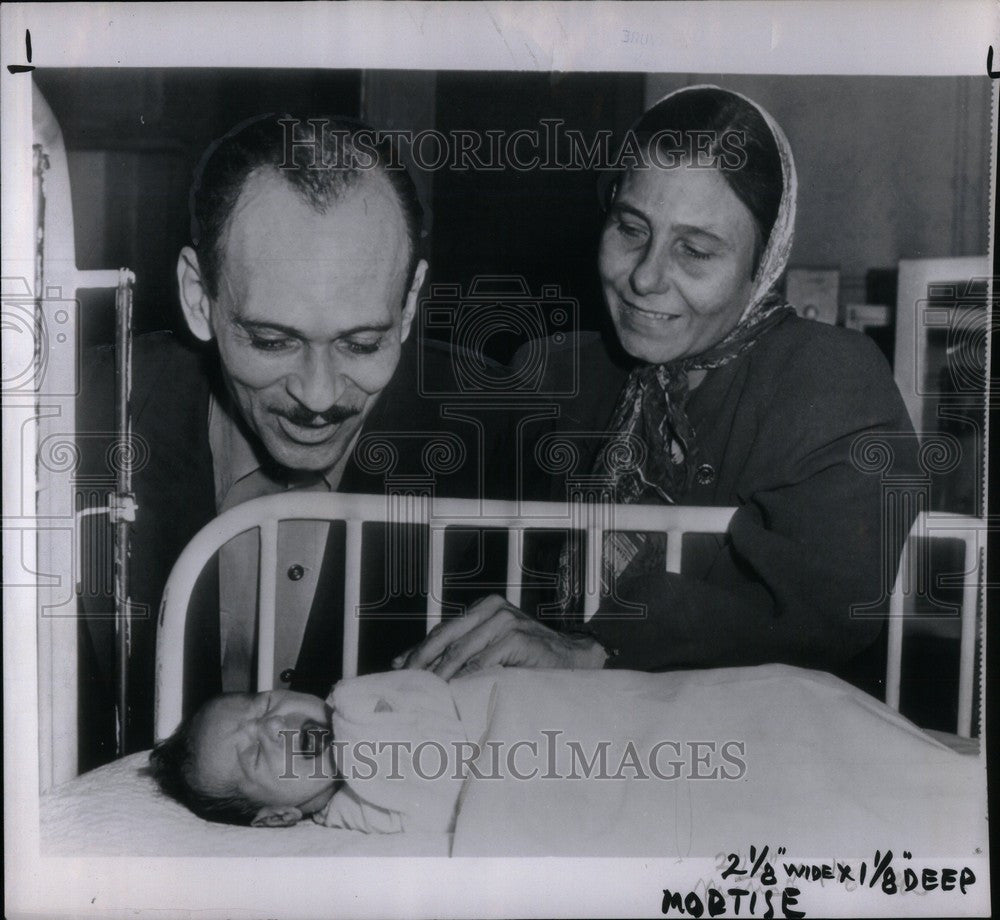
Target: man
[(301, 288)]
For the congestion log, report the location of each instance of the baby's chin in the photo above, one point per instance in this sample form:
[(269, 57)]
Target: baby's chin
[(314, 807)]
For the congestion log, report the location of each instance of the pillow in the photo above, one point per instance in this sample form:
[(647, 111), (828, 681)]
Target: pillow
[(118, 810)]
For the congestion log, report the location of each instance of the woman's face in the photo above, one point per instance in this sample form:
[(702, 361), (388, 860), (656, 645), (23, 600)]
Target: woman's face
[(676, 260)]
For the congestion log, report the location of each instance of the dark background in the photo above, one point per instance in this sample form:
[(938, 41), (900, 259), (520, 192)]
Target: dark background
[(135, 137)]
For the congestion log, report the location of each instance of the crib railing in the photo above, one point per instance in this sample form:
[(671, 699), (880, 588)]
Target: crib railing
[(517, 518), (56, 324), (594, 520)]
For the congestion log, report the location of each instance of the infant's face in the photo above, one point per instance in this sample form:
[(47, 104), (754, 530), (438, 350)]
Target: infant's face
[(272, 747)]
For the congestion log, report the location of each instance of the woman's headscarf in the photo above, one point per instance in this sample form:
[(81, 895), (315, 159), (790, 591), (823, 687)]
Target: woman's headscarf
[(651, 408), (653, 454)]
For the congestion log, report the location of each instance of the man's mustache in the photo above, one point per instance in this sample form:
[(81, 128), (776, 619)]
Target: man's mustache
[(332, 416)]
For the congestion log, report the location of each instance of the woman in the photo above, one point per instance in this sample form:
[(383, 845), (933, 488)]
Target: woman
[(723, 397)]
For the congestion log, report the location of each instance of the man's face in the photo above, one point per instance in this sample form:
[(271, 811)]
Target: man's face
[(311, 312)]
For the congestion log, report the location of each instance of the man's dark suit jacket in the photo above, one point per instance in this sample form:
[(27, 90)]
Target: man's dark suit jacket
[(819, 525), (175, 493)]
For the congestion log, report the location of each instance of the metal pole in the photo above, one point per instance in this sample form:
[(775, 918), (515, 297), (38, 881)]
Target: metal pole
[(46, 657), (122, 502), (41, 164)]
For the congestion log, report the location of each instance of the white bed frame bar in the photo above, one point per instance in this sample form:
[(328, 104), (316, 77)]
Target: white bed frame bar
[(56, 287), (355, 510), (516, 518)]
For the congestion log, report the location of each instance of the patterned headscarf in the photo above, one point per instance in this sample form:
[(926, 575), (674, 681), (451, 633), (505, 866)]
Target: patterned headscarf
[(651, 409)]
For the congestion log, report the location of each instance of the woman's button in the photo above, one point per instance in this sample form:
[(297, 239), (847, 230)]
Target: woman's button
[(295, 572), (286, 675), (705, 474)]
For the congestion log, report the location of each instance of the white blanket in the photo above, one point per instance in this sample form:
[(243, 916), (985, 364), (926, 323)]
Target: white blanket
[(383, 725), (828, 769)]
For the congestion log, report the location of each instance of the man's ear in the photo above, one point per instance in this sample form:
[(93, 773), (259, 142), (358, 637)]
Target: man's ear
[(410, 307), (277, 816), (195, 302)]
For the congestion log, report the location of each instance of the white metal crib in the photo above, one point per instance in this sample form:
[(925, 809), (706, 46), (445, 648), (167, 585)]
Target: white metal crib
[(517, 518)]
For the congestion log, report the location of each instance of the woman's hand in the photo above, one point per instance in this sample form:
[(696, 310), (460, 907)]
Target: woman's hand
[(494, 632)]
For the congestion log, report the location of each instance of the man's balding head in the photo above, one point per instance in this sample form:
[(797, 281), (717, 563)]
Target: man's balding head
[(320, 157), (307, 279)]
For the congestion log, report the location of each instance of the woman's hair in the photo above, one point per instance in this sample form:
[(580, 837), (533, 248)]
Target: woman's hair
[(715, 124), (320, 157), (171, 763)]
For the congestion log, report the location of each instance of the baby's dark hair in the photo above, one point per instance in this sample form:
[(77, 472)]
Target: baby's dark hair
[(171, 763)]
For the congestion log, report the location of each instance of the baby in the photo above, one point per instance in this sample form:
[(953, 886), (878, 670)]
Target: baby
[(269, 759)]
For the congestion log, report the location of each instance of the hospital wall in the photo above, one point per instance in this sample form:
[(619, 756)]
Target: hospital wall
[(889, 168)]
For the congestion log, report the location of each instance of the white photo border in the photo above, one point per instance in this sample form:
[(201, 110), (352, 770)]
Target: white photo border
[(896, 37)]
